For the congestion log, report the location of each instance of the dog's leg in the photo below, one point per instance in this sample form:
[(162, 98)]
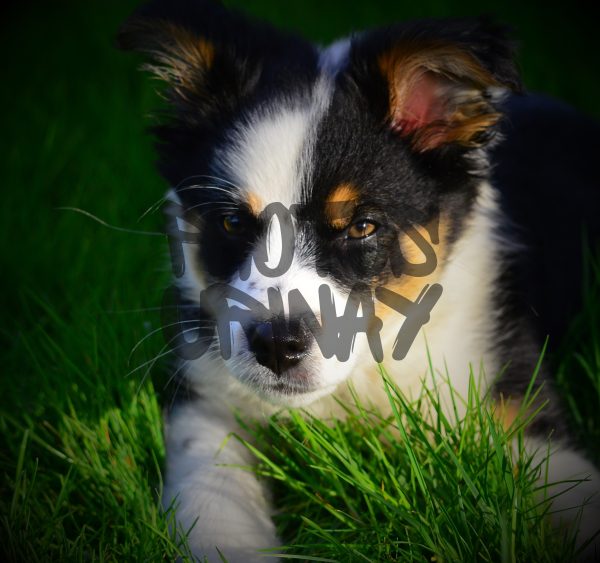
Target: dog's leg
[(573, 484), (225, 507)]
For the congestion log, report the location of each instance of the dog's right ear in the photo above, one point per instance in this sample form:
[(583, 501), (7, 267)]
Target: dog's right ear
[(443, 79), (210, 57)]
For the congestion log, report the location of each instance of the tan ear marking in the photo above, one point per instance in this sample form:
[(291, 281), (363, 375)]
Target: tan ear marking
[(437, 94), (180, 57)]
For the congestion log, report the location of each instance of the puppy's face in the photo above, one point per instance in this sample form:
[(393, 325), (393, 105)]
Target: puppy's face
[(312, 180)]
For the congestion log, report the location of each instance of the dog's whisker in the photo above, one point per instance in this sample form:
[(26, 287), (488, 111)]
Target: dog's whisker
[(150, 309), (166, 350), (231, 207), (174, 375), (209, 177), (108, 225), (153, 361), (156, 205), (163, 327)]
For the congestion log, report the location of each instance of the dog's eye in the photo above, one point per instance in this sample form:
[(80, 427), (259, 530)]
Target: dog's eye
[(233, 224), (361, 229)]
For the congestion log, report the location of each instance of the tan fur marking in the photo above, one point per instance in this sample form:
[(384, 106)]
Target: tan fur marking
[(467, 113), (340, 204), (182, 58), (412, 252), (507, 411), (407, 286), (411, 286), (255, 203)]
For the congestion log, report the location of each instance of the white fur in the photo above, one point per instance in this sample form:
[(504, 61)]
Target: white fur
[(220, 505), (573, 483), (270, 153), (265, 154)]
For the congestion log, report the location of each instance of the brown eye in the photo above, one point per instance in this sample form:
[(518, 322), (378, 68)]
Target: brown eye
[(361, 229), (233, 224)]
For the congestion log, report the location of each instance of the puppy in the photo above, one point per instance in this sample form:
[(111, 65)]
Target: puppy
[(310, 184)]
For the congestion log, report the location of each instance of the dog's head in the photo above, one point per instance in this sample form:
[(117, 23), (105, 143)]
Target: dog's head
[(317, 183)]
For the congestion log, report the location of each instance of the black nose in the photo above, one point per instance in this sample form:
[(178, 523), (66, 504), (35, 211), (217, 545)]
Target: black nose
[(278, 345)]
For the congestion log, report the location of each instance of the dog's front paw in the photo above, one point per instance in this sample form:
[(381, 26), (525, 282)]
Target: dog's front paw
[(237, 540), (573, 484), (223, 515)]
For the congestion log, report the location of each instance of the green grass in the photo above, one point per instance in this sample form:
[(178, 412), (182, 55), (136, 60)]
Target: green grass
[(80, 414), (413, 486)]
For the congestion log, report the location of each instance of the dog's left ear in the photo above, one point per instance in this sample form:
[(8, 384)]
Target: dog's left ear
[(442, 79), (210, 58)]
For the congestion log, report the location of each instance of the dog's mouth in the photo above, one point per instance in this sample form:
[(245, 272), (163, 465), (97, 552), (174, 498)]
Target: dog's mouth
[(295, 382), (293, 385)]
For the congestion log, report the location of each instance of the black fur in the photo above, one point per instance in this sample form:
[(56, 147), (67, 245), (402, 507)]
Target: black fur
[(545, 173)]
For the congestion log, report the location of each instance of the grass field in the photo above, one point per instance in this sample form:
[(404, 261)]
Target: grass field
[(80, 409)]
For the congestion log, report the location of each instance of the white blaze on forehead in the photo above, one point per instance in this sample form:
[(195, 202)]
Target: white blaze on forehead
[(270, 154), (266, 156)]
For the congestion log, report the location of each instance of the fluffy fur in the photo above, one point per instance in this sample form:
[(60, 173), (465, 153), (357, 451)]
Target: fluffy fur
[(399, 126)]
